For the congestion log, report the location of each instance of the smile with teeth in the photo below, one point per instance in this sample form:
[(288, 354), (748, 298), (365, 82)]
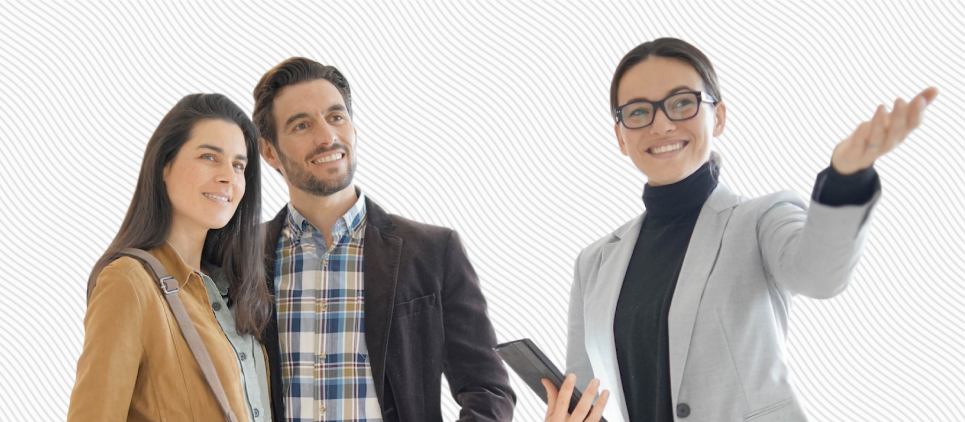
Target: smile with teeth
[(329, 158), (216, 197), (663, 149)]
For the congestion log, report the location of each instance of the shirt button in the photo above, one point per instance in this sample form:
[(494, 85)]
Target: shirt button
[(683, 410), (243, 356), (256, 412), (216, 306), (321, 408)]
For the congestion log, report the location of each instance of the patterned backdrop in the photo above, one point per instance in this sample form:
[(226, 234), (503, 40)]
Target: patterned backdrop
[(491, 118)]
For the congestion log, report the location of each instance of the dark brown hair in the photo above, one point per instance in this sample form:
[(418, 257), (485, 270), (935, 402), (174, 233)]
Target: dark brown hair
[(290, 72), (237, 247), (671, 48)]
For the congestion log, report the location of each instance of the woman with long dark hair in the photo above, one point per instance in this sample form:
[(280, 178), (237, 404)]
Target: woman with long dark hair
[(682, 313), (196, 210)]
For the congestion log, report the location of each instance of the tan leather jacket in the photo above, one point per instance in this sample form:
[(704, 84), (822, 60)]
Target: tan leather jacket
[(135, 364)]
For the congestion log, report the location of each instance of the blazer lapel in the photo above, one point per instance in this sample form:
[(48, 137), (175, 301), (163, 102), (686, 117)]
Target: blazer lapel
[(382, 253), (699, 260), (272, 231), (600, 307)]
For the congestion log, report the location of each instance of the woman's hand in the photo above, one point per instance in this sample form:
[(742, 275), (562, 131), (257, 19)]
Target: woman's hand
[(881, 134), (557, 402)]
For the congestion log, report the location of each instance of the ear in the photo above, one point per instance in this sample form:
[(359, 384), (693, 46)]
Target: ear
[(618, 131), (269, 153), (720, 118)]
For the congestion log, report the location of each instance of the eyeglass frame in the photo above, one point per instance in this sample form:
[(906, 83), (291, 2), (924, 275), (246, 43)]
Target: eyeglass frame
[(658, 106)]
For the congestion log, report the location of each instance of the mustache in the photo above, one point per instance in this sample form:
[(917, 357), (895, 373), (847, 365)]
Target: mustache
[(323, 149)]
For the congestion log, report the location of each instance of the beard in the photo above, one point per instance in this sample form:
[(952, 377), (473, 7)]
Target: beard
[(300, 177)]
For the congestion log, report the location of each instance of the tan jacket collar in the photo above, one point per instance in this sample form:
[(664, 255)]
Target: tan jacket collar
[(172, 263)]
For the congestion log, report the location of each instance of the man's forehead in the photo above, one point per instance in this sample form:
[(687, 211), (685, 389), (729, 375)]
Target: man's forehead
[(306, 97)]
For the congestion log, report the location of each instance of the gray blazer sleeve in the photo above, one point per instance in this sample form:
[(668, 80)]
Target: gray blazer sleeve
[(812, 251), (577, 360)]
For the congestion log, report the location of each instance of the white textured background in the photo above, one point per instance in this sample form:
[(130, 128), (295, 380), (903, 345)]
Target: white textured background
[(492, 119)]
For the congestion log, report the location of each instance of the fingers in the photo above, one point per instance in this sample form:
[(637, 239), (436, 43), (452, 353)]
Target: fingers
[(562, 405), (598, 407), (928, 94), (897, 130), (874, 138), (861, 134), (917, 107), (550, 393), (879, 125), (583, 406)]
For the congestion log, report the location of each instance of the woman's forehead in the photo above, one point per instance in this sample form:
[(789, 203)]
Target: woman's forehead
[(656, 77)]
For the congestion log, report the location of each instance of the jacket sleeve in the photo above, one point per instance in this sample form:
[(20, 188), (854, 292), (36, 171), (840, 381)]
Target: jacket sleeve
[(108, 364), (477, 378), (812, 251), (577, 360)]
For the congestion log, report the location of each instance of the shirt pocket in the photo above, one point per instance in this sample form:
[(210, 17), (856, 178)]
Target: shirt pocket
[(416, 306)]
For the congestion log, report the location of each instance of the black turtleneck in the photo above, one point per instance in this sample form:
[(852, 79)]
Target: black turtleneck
[(640, 321)]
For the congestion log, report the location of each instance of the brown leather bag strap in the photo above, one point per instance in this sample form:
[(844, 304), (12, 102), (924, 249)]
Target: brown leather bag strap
[(169, 286)]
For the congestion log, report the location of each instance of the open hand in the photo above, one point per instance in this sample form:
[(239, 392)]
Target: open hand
[(881, 134), (557, 402)]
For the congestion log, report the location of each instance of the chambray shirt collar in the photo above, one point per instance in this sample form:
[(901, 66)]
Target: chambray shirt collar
[(351, 220)]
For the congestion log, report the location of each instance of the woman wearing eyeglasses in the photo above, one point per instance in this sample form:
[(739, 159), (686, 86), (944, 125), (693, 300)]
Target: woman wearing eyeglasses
[(682, 312)]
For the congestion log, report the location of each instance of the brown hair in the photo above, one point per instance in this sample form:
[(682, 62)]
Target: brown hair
[(237, 247), (290, 72), (671, 48)]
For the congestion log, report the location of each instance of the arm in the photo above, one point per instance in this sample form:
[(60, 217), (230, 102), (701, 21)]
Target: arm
[(477, 378), (108, 364), (812, 253)]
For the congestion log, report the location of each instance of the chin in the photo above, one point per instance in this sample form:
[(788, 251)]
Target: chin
[(218, 223)]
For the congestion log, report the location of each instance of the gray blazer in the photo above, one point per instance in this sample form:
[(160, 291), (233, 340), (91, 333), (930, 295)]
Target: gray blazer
[(728, 317)]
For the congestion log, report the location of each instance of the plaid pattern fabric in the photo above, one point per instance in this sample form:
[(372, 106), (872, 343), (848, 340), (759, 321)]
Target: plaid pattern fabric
[(320, 295)]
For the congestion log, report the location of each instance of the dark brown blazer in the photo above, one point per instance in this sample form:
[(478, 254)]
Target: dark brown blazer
[(425, 316)]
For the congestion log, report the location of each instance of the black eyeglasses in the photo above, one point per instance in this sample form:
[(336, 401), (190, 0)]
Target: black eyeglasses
[(679, 106)]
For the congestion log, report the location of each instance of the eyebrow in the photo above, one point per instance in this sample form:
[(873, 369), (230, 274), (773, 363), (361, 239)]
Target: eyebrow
[(296, 116), (669, 93), (221, 151)]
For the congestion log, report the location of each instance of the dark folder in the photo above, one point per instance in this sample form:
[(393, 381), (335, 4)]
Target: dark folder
[(532, 366)]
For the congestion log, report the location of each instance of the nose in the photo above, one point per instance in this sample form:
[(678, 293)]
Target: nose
[(226, 174), (325, 135), (661, 123)]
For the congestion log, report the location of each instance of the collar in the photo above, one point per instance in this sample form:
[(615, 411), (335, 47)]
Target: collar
[(172, 262), (684, 197), (350, 221)]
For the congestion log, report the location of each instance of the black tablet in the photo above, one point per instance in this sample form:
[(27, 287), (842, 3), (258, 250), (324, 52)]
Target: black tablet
[(532, 366)]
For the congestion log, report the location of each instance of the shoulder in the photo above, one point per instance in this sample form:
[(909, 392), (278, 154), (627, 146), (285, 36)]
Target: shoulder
[(125, 276), (595, 249), (780, 202), (409, 230), (417, 231)]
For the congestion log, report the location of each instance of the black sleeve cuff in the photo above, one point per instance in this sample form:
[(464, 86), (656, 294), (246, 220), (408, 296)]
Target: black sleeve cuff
[(833, 188)]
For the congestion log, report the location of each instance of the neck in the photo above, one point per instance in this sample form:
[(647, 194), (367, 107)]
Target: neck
[(683, 197), (323, 211), (188, 243)]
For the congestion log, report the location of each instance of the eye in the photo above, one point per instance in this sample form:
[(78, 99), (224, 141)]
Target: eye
[(637, 112), (209, 157), (240, 166), (683, 103), (300, 126)]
